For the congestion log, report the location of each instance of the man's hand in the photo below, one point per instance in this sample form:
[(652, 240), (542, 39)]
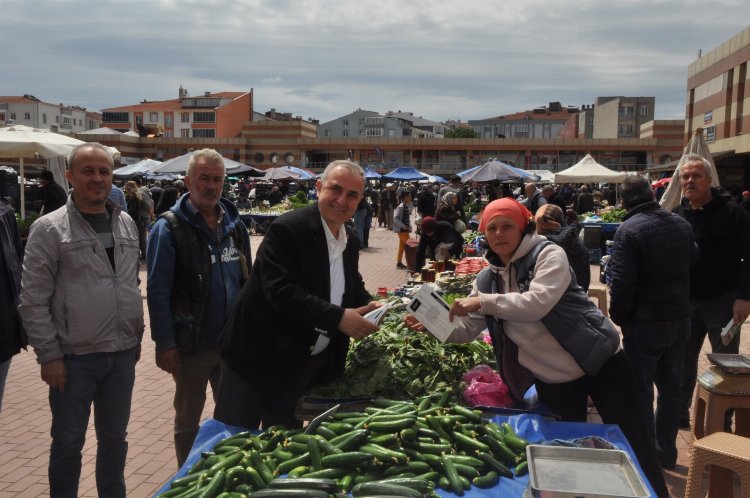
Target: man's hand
[(740, 310), (464, 306), (355, 325), (168, 360), (412, 323), (53, 373), (372, 305)]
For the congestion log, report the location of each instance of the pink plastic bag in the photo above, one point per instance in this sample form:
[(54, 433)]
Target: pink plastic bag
[(484, 387)]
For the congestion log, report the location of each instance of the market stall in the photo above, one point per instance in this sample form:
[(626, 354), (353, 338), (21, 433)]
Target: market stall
[(532, 428)]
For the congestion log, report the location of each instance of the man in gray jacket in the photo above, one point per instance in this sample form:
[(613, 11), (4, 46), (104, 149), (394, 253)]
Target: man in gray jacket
[(83, 312)]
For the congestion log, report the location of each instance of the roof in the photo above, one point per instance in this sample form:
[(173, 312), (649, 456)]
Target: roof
[(21, 99), (100, 131), (173, 104), (531, 115)]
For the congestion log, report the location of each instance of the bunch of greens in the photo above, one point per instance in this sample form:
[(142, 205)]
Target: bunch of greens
[(612, 216), (398, 363), (298, 200)]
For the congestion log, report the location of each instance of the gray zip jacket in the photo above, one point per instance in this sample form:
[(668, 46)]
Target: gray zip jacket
[(72, 301)]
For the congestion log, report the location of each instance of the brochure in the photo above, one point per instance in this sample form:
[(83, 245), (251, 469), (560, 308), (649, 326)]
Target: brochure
[(430, 309)]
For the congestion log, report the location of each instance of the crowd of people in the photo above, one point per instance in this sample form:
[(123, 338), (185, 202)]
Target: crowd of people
[(216, 315)]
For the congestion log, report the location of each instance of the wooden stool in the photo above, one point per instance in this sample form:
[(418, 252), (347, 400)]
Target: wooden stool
[(709, 409), (724, 453), (601, 299)]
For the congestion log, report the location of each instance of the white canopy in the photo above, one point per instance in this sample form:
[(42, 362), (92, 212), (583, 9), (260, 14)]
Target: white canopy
[(587, 170), (545, 175)]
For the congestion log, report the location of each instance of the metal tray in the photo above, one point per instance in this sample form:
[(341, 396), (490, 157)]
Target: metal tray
[(731, 363), (564, 472)]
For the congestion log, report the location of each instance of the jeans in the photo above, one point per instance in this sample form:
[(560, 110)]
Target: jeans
[(708, 317), (366, 229), (191, 381), (4, 367), (359, 225), (655, 350), (612, 390), (106, 380)]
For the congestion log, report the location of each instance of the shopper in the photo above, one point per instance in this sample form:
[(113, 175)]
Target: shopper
[(402, 225), (197, 260), (83, 313)]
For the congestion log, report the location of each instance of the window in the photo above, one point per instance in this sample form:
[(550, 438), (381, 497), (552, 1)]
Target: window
[(26, 115), (374, 120), (627, 110), (327, 133), (625, 130), (66, 122), (138, 119), (391, 133), (374, 132), (185, 133), (346, 122), (12, 115), (44, 118), (2, 116), (344, 133), (204, 117), (115, 117), (644, 110), (204, 133), (168, 133), (184, 117), (168, 120), (153, 117), (57, 118)]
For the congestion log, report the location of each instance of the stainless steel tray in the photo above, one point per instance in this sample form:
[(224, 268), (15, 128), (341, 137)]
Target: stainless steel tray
[(564, 472), (731, 363)]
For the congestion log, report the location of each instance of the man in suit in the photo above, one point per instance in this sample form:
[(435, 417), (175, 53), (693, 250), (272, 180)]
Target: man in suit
[(292, 322)]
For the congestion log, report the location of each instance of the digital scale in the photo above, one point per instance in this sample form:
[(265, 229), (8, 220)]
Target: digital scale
[(730, 374)]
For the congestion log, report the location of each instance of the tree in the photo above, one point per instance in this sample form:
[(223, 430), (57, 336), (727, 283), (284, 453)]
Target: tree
[(461, 133)]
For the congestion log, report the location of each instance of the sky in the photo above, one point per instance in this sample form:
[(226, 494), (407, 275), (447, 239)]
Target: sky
[(323, 59)]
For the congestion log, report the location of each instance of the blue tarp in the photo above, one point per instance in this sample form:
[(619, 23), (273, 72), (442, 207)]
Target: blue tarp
[(533, 428), (405, 173), (495, 170)]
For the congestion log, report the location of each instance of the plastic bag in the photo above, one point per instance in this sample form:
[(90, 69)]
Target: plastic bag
[(484, 387)]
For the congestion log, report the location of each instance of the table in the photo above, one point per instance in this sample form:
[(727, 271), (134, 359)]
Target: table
[(258, 223), (532, 427)]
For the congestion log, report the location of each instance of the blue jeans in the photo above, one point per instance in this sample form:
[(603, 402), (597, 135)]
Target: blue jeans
[(708, 317), (4, 367), (106, 380), (359, 225), (655, 350)]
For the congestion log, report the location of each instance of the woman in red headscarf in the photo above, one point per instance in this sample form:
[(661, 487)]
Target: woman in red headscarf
[(546, 332)]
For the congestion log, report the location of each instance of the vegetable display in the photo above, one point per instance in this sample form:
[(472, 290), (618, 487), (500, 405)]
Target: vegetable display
[(393, 448), (398, 363)]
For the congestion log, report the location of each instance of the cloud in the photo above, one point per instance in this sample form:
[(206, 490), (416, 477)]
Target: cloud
[(441, 60)]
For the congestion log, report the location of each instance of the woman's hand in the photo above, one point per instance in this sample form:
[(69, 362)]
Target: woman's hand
[(412, 323), (464, 306)]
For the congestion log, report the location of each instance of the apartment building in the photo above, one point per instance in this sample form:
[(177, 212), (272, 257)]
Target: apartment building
[(718, 92), (540, 122), (31, 111), (621, 117), (210, 115), (370, 124)]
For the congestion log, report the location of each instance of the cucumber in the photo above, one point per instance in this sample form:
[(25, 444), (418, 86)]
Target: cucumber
[(380, 488), (383, 454), (421, 485), (470, 415), (315, 456), (298, 471), (499, 449), (333, 473), (328, 485), (466, 470), (495, 465), (347, 442), (452, 475), (284, 467), (254, 478), (346, 460), (391, 425), (522, 468), (468, 443), (234, 477), (291, 493), (338, 427), (214, 487), (385, 440)]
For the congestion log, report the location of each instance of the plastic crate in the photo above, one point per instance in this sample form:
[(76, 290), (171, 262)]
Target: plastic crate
[(595, 255)]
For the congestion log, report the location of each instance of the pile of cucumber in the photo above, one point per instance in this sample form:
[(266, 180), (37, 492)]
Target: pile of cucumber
[(394, 448)]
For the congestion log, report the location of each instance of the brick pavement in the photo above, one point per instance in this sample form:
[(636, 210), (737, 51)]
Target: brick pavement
[(25, 419)]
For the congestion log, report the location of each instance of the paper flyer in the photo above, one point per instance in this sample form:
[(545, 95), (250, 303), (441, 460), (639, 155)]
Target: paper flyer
[(430, 309), (376, 315)]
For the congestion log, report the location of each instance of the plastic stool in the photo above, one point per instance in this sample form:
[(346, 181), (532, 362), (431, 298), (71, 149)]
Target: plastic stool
[(601, 299), (724, 453), (709, 409)]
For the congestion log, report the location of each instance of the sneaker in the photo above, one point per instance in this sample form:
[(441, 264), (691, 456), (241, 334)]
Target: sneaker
[(400, 265)]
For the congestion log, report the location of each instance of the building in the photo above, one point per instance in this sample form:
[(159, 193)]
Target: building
[(621, 117), (210, 115), (718, 92), (370, 124), (540, 122), (30, 111)]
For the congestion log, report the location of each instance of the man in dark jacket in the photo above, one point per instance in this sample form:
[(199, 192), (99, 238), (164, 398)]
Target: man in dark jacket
[(12, 337), (650, 301), (53, 195), (426, 202), (720, 280), (548, 191), (291, 325), (584, 202), (550, 222), (197, 260)]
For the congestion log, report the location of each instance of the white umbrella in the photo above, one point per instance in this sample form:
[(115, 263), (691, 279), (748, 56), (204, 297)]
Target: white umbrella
[(19, 141), (280, 173), (141, 167), (180, 164)]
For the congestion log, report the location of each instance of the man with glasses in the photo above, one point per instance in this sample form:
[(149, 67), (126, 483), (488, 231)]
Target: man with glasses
[(292, 322)]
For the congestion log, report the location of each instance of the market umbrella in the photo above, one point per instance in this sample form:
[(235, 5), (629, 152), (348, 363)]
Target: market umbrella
[(19, 141), (280, 173), (498, 171), (140, 168), (371, 174), (696, 145), (404, 173), (180, 164), (433, 179), (587, 170), (303, 173)]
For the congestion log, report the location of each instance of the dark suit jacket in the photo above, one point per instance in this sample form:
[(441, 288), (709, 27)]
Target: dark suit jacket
[(285, 304)]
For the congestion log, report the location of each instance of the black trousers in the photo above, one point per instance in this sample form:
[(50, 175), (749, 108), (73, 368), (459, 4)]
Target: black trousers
[(613, 391), (253, 405)]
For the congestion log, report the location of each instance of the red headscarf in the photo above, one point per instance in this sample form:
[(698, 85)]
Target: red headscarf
[(505, 207)]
